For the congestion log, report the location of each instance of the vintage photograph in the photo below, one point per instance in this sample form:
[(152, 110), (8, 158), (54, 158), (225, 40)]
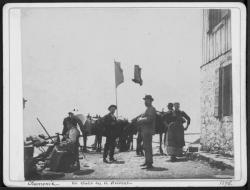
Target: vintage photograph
[(127, 93)]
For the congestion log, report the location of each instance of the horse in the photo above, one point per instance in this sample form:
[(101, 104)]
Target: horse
[(97, 128), (125, 135), (159, 129), (92, 126)]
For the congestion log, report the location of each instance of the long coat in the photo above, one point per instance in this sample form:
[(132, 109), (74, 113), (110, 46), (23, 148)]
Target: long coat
[(110, 123), (175, 134)]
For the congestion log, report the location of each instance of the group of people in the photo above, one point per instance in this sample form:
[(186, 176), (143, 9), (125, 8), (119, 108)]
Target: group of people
[(174, 131), (173, 119)]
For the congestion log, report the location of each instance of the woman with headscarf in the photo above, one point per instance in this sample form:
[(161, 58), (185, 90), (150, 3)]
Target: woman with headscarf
[(175, 133)]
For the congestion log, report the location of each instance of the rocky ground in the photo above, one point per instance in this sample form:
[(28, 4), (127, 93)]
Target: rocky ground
[(128, 167)]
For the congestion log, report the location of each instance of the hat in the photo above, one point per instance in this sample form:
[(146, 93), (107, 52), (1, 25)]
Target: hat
[(148, 97), (176, 103), (170, 105), (112, 106)]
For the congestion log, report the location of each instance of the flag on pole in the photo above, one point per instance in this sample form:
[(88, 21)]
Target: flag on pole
[(119, 78), (137, 75)]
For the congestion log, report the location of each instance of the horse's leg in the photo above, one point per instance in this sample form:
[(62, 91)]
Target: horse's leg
[(161, 151), (137, 145), (84, 136), (82, 147), (132, 144), (98, 142)]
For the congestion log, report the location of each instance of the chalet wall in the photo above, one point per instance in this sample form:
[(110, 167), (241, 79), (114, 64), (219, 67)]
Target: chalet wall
[(218, 41), (216, 134)]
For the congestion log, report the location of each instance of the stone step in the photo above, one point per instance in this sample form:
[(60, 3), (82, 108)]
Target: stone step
[(215, 160)]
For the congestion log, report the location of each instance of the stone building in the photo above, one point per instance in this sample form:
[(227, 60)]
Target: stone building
[(216, 82)]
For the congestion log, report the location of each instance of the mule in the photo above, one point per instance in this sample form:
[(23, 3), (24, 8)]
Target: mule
[(159, 129), (97, 128)]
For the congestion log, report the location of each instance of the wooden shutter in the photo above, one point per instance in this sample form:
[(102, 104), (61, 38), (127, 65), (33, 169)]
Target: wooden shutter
[(227, 90), (218, 93)]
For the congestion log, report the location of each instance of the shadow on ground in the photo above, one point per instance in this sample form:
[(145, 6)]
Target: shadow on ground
[(83, 172), (157, 169), (118, 162), (159, 154), (91, 152), (184, 159)]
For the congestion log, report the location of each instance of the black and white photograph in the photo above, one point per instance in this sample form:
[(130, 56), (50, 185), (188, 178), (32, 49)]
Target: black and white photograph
[(124, 94)]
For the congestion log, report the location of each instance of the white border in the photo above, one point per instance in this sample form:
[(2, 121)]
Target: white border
[(13, 176)]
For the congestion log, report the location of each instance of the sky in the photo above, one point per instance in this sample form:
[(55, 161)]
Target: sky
[(68, 62)]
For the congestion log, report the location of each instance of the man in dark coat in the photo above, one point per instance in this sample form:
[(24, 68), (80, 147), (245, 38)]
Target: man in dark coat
[(147, 122), (110, 124)]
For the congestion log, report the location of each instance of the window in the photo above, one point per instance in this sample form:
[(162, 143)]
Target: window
[(215, 16), (223, 92)]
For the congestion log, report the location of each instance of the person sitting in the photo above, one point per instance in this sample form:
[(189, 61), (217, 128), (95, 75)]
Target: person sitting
[(65, 155)]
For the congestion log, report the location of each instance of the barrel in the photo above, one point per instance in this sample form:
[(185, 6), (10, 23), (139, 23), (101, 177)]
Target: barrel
[(29, 165)]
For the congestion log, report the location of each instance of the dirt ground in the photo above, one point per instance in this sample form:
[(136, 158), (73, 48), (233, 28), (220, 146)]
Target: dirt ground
[(128, 167)]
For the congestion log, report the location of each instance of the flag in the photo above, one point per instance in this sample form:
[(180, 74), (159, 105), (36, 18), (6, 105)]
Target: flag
[(118, 74), (137, 75)]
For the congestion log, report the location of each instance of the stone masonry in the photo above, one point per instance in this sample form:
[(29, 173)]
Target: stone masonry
[(216, 134)]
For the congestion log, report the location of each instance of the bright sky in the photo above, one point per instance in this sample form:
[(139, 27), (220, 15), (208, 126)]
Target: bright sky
[(68, 61)]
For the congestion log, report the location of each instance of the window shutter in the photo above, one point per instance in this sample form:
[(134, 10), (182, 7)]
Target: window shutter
[(220, 91), (227, 90)]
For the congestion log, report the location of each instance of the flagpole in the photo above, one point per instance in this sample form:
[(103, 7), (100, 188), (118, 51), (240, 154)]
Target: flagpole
[(116, 102), (116, 98)]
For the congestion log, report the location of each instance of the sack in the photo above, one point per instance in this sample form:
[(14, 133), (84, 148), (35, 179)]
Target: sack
[(61, 161)]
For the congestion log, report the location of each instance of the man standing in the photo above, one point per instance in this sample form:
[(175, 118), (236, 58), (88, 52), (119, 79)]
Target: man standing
[(110, 124), (147, 122)]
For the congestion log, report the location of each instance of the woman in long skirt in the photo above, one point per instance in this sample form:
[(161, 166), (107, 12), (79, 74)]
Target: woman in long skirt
[(175, 134)]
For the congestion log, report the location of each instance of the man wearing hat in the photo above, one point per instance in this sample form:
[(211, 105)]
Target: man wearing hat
[(65, 155), (71, 119), (110, 124), (147, 122), (70, 129)]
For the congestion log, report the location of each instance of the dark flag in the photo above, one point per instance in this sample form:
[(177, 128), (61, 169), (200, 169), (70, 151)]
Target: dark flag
[(137, 75), (24, 101)]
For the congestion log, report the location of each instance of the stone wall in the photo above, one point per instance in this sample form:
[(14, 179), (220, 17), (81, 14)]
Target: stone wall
[(216, 134)]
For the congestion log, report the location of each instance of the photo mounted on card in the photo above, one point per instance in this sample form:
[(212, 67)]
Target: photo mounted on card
[(124, 94)]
